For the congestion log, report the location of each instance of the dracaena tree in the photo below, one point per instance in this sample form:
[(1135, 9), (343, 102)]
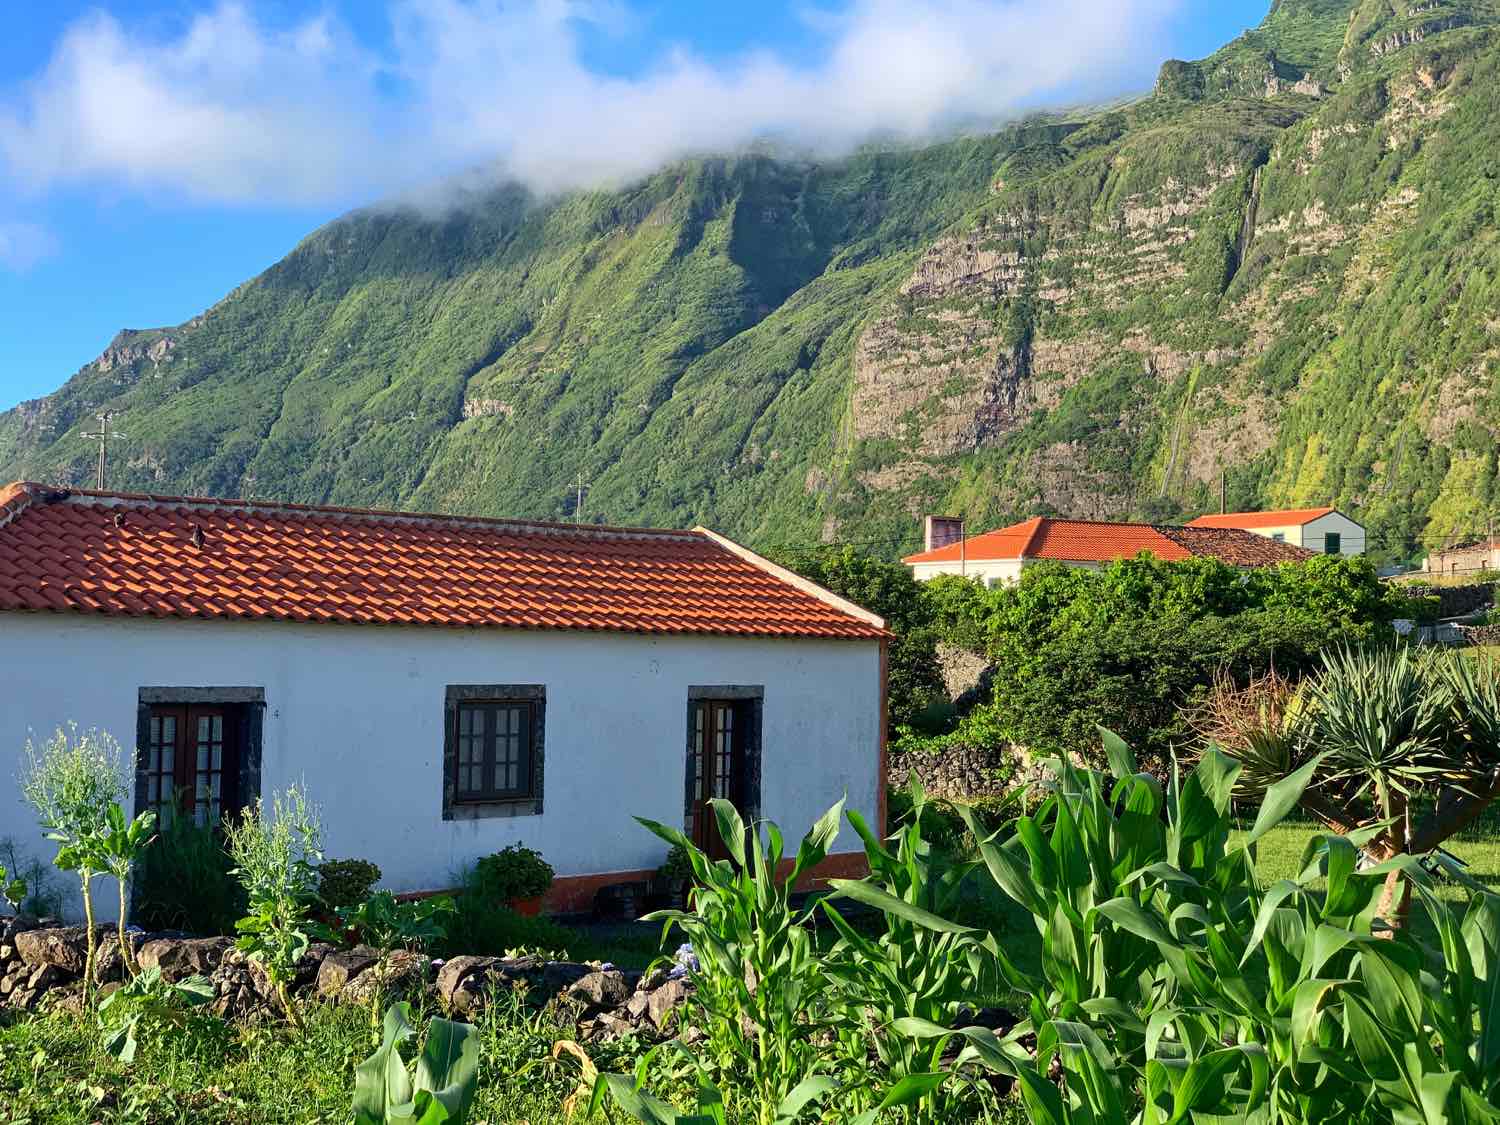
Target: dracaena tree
[(1408, 744)]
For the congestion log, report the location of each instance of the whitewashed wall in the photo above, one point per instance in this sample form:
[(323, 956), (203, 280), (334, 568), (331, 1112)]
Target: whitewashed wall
[(357, 713), (990, 571), (1351, 535)]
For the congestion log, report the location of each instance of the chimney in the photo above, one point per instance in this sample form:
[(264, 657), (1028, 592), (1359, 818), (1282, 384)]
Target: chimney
[(940, 531)]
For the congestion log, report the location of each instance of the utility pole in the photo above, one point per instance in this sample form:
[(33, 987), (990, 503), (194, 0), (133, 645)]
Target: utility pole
[(578, 507), (963, 547), (103, 436), (1223, 507)]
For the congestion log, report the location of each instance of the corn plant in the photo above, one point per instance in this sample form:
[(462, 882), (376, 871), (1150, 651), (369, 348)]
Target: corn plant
[(440, 1090), (72, 781), (918, 967), (276, 861), (759, 980), (1175, 981)]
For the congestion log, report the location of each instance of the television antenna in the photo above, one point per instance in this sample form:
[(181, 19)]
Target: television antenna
[(103, 436)]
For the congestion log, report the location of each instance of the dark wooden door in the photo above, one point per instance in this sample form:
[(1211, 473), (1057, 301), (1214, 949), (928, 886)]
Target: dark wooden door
[(192, 762), (718, 763)]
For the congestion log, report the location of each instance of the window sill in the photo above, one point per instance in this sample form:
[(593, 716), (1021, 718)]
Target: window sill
[(483, 810)]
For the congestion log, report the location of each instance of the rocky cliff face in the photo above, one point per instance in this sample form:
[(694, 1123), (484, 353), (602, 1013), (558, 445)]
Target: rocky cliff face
[(1279, 268)]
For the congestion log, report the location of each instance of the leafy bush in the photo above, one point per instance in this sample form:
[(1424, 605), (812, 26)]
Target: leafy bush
[(1139, 642), (676, 866), (482, 924), (148, 1004), (514, 872), (12, 888), (185, 882), (42, 899), (276, 861), (346, 882)]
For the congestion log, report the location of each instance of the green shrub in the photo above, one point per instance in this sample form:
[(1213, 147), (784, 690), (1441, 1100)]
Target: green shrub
[(185, 882), (514, 872), (482, 924), (346, 882), (1138, 643), (677, 866)]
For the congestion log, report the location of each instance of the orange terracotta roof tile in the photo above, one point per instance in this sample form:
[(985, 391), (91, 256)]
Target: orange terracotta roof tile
[(1289, 517), (1093, 541), (163, 556)]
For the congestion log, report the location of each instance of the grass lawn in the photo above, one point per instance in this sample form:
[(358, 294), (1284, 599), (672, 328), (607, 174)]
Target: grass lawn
[(52, 1071)]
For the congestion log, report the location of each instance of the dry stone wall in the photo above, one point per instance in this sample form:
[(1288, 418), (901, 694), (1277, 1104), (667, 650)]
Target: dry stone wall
[(961, 773), (41, 964)]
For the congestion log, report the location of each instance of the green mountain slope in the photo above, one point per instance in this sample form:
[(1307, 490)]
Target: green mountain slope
[(1281, 266)]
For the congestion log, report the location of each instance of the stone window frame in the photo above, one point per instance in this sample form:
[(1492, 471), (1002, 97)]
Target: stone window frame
[(536, 694), (755, 696), (250, 722)]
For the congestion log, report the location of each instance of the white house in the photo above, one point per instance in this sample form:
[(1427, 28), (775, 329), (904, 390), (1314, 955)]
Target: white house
[(442, 685), (1325, 531), (1001, 555)]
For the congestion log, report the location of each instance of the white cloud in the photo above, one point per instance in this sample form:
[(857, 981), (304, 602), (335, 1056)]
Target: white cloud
[(23, 245), (236, 110)]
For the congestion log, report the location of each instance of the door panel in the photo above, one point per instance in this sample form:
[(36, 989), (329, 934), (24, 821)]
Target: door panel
[(718, 765), (192, 762)]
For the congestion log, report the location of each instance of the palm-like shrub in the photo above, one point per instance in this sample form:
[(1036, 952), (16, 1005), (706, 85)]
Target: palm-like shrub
[(1409, 744)]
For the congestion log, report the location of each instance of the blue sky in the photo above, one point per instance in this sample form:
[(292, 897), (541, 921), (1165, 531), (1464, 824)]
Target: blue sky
[(156, 153)]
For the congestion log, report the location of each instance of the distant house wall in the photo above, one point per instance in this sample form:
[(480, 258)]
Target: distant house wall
[(1461, 560), (357, 713), (1351, 535), (990, 571), (1291, 533)]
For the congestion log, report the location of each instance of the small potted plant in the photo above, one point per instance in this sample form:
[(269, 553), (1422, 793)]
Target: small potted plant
[(673, 878), (518, 876)]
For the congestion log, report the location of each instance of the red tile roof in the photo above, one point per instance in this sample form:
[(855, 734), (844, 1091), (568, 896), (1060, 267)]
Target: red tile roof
[(1065, 540), (1289, 517), (170, 556)]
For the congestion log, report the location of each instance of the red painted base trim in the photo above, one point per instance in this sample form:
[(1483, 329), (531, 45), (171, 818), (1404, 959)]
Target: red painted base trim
[(574, 894)]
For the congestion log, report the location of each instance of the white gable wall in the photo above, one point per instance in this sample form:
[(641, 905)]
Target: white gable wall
[(357, 713), (1351, 535)]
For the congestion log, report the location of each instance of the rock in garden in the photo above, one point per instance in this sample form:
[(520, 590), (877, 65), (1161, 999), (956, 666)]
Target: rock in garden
[(600, 990), (342, 966), (454, 978), (184, 957), (64, 947), (665, 1002), (636, 1006), (401, 972)]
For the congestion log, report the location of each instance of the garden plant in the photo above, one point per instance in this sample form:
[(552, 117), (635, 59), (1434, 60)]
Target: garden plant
[(276, 858), (73, 781)]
